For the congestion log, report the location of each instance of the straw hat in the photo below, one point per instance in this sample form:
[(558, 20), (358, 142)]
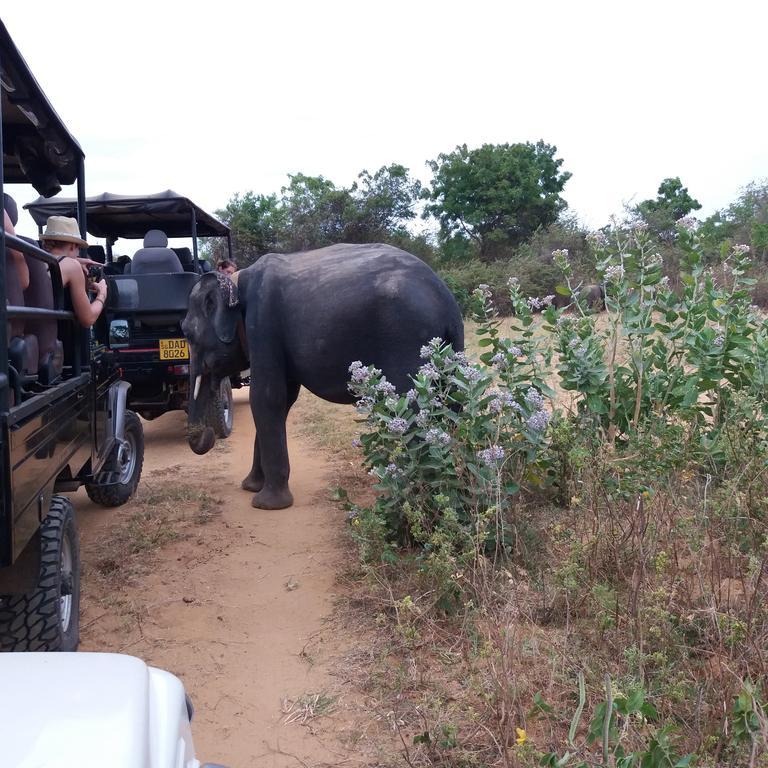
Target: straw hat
[(63, 229)]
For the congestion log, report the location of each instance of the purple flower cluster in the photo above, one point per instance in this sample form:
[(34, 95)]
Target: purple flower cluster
[(385, 388), (502, 400), (534, 399), (429, 349), (491, 456), (483, 291), (429, 371), (597, 239), (535, 303), (397, 425), (437, 437), (360, 373), (391, 470), (470, 373), (538, 422), (422, 418), (688, 223)]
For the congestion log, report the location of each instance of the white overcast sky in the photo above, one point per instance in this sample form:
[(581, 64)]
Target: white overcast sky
[(220, 97)]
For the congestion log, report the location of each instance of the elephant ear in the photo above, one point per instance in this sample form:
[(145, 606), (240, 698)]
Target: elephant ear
[(226, 315)]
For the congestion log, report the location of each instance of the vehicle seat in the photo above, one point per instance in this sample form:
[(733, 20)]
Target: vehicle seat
[(185, 257), (96, 253), (155, 257), (120, 266), (205, 266), (50, 361), (22, 346)]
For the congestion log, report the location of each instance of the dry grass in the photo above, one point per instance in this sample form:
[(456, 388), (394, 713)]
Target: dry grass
[(161, 512), (308, 707)]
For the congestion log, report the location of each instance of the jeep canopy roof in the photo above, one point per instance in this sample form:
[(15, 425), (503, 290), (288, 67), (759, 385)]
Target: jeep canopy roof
[(37, 148), (131, 216)]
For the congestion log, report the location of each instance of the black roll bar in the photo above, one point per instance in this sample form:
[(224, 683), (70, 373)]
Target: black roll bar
[(3, 327)]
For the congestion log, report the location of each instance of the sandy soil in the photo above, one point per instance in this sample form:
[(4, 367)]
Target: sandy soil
[(239, 607)]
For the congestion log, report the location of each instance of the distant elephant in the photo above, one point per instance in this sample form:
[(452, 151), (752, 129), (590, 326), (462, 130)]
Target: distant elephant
[(593, 296), (300, 319)]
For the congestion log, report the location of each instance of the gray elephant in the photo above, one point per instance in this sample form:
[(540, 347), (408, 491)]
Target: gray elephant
[(300, 319), (593, 296)]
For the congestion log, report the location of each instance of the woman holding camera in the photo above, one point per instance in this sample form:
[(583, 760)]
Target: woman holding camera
[(62, 240)]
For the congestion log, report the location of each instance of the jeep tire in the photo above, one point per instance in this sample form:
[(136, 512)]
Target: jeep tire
[(48, 617), (127, 460), (221, 410)]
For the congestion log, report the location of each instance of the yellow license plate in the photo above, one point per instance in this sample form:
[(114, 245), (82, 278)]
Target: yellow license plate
[(174, 349)]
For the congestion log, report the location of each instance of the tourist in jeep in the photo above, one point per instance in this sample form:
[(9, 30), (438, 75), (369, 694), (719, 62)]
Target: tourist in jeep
[(226, 267), (62, 240)]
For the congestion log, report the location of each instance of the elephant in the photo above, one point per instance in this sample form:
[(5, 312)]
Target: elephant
[(593, 296), (300, 319)]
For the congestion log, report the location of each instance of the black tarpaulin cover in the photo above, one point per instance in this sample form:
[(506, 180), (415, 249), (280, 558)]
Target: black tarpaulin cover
[(131, 216)]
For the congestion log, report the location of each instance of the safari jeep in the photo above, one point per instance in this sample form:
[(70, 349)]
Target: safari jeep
[(93, 710), (141, 327), (63, 416)]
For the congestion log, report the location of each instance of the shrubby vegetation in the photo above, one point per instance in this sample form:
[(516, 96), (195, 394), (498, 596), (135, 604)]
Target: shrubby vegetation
[(585, 505)]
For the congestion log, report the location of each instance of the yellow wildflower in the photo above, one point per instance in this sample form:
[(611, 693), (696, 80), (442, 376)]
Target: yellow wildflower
[(522, 737)]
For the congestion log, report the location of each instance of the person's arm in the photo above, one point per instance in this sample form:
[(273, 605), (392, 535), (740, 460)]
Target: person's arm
[(16, 256), (86, 311)]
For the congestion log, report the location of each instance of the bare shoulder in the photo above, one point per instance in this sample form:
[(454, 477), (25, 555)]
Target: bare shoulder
[(71, 271)]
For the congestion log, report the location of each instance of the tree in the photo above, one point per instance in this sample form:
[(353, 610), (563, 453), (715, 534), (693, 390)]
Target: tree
[(744, 221), (384, 203), (258, 226), (312, 212), (317, 213), (672, 203), (497, 195)]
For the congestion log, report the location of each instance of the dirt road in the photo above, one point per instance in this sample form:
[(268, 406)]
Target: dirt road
[(237, 605)]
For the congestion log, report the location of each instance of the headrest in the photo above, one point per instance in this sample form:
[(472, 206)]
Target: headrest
[(155, 238), (96, 253), (184, 254)]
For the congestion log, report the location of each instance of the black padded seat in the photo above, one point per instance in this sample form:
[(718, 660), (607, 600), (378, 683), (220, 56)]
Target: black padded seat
[(97, 253), (185, 257), (155, 257)]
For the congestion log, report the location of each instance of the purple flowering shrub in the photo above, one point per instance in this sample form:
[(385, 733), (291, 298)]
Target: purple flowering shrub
[(451, 452)]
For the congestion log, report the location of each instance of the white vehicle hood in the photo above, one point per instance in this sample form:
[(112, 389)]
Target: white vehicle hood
[(83, 710)]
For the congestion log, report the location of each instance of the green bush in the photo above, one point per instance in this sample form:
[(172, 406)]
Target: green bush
[(536, 278)]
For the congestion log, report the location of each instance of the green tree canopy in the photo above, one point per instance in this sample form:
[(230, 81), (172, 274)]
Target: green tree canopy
[(257, 223), (673, 202), (743, 221), (497, 195), (312, 212)]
